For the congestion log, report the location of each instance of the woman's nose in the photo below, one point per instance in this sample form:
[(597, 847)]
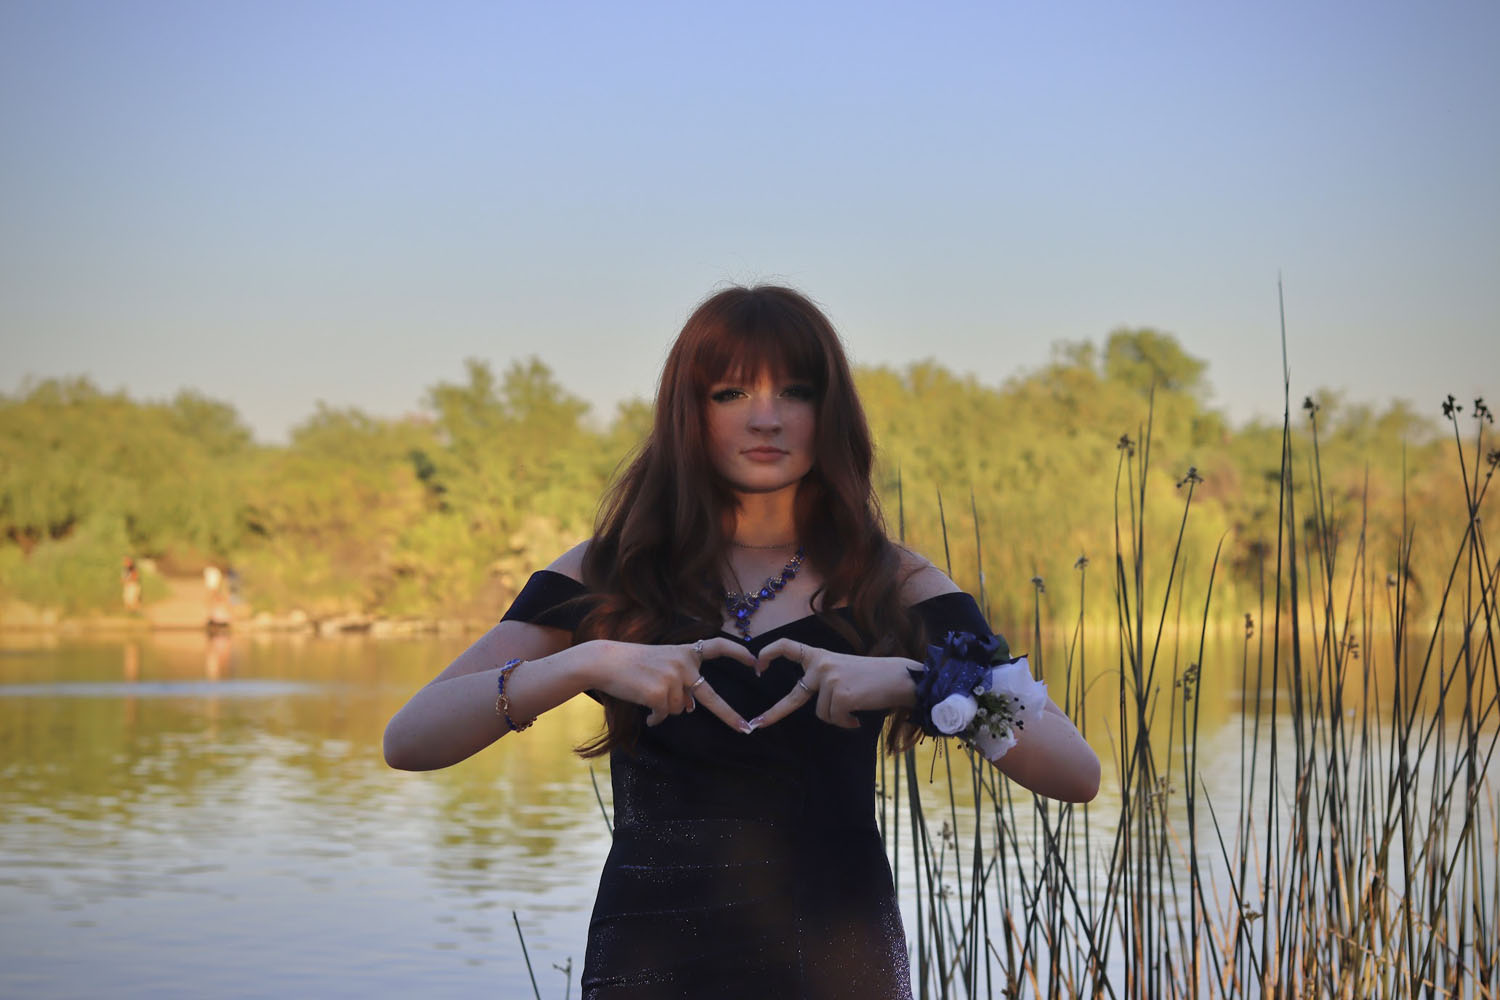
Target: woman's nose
[(765, 413)]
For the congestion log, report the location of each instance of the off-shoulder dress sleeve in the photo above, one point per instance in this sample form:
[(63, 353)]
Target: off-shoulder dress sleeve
[(955, 612), (551, 599)]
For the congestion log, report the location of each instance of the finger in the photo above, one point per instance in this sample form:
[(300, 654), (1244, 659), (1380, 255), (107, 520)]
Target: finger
[(692, 692), (782, 649), (721, 646), (831, 712), (709, 699), (668, 703), (795, 699)]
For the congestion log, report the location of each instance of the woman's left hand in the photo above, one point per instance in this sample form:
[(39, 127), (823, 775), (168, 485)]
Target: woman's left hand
[(842, 683)]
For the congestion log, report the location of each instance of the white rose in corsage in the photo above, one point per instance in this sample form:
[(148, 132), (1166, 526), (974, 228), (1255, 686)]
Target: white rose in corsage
[(954, 713), (973, 689)]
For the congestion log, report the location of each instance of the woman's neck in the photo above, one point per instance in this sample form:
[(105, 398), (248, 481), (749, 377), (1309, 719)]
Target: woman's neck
[(766, 520)]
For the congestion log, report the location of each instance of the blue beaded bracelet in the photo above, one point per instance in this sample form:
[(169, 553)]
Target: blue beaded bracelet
[(502, 703)]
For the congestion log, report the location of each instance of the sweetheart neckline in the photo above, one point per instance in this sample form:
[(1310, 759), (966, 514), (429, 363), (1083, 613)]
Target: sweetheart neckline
[(813, 616)]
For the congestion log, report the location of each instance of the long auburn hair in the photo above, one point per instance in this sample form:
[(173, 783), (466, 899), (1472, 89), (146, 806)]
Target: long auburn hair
[(660, 537)]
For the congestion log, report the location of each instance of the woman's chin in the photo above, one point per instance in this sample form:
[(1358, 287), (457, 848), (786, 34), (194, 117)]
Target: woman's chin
[(762, 485)]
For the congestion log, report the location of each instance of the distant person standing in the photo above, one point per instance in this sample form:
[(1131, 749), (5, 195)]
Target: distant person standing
[(217, 598), (130, 585)]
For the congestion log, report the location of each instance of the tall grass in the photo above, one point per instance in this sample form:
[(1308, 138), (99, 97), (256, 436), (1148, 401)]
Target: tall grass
[(1360, 857)]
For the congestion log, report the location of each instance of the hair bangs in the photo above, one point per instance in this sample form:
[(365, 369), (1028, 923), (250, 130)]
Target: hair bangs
[(761, 334)]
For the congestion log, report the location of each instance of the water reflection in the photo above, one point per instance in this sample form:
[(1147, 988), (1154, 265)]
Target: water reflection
[(197, 816), (181, 816)]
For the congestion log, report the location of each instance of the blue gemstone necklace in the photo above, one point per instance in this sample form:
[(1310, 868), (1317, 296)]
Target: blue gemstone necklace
[(742, 606)]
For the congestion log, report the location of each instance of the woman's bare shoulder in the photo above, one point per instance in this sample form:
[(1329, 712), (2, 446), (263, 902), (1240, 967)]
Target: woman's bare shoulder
[(920, 579), (570, 563)]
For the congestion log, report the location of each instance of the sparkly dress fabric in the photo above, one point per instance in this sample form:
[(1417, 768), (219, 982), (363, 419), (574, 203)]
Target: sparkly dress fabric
[(746, 866)]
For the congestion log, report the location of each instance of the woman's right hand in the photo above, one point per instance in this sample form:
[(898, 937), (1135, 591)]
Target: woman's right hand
[(454, 716), (667, 680)]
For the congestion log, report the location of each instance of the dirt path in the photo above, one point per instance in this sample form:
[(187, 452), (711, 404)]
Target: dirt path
[(185, 605)]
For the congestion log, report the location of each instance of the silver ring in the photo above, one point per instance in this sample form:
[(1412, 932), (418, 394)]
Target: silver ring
[(802, 683), (696, 682), (698, 648)]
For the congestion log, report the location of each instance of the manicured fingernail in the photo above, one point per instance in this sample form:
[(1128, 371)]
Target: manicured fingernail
[(754, 723)]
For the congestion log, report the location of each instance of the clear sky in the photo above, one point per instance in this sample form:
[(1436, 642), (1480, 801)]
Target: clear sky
[(281, 201)]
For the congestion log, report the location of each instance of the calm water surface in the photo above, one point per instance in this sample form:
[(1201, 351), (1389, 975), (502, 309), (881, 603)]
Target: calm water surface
[(182, 817)]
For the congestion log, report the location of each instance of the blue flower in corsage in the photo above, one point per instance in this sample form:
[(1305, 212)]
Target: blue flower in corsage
[(973, 689)]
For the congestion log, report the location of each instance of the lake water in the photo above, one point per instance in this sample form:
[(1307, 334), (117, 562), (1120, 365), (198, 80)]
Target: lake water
[(183, 817)]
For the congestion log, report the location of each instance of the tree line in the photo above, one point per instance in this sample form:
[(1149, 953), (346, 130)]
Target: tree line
[(1016, 487)]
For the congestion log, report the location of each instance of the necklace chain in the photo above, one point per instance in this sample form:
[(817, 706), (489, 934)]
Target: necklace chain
[(779, 545), (742, 606)]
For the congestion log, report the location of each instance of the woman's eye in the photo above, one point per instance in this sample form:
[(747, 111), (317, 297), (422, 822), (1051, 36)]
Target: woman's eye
[(725, 395), (800, 392)]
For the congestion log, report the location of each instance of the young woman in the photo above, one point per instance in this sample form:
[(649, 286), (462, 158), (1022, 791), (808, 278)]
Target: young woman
[(748, 627)]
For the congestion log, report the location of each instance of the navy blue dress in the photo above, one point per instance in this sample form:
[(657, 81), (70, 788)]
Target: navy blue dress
[(746, 866)]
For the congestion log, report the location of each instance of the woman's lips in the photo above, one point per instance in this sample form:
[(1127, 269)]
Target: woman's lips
[(763, 454)]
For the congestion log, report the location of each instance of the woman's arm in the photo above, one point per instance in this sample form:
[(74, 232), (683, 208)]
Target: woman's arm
[(453, 717), (1051, 758)]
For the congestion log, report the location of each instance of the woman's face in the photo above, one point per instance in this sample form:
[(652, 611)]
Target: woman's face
[(761, 431)]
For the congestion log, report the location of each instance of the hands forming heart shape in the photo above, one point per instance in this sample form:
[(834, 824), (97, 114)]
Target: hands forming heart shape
[(842, 683)]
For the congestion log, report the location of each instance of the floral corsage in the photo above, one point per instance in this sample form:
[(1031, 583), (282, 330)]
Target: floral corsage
[(974, 689)]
